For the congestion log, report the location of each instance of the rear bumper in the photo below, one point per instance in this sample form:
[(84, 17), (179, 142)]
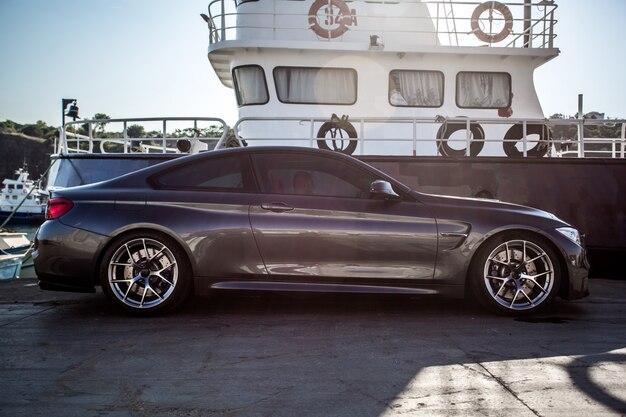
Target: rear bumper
[(66, 258)]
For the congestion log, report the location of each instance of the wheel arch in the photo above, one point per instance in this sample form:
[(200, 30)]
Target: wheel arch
[(131, 229), (545, 238)]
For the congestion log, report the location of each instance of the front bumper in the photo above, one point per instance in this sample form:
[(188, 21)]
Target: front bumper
[(575, 259), (66, 258)]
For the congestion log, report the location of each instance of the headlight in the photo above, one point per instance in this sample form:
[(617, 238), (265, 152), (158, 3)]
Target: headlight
[(570, 233)]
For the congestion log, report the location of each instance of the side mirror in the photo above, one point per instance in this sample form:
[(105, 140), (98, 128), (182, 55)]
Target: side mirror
[(383, 190)]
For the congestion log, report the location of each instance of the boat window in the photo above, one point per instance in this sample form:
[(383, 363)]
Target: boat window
[(483, 90), (250, 85), (300, 85), (416, 88)]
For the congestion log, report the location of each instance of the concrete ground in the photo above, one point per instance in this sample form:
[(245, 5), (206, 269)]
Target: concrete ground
[(310, 355)]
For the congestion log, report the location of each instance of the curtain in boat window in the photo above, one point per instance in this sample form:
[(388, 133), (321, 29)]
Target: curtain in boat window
[(315, 85), (483, 89), (416, 88), (250, 85)]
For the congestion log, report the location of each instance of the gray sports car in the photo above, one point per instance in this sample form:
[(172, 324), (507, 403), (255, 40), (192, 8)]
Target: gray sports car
[(296, 219)]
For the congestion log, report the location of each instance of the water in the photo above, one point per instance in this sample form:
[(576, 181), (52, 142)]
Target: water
[(29, 229)]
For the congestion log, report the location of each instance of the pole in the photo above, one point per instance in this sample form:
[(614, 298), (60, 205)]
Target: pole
[(527, 22), (581, 128)]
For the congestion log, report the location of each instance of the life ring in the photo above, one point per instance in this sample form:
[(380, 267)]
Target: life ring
[(344, 18), (337, 126), (491, 6), (516, 134), (447, 129), (10, 190)]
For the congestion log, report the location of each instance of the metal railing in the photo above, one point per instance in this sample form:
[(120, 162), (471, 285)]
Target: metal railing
[(568, 138), (531, 25), (164, 140), (425, 131)]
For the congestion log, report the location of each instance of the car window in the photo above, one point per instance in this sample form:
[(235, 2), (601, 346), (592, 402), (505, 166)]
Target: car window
[(310, 175), (213, 173)]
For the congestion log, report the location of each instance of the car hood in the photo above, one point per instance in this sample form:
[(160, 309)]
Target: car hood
[(488, 204)]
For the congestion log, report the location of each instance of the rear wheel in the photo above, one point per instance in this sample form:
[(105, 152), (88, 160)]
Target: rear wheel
[(145, 273), (515, 274)]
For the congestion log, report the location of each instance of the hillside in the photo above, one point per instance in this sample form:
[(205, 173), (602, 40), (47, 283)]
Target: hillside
[(17, 149)]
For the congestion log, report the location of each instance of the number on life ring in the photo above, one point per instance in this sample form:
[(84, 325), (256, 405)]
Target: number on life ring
[(335, 25), (490, 36)]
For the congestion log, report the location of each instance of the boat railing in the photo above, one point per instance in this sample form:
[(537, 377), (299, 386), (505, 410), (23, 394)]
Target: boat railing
[(168, 135), (573, 139), (443, 22)]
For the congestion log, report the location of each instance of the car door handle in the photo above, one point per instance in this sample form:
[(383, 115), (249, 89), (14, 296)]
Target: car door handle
[(276, 207)]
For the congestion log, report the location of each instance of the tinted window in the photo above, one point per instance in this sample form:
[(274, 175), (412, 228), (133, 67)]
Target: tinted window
[(214, 173), (310, 175)]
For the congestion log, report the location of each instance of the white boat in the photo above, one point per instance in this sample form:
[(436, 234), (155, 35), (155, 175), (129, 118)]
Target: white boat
[(20, 200), (10, 266), (15, 248), (14, 243), (404, 77)]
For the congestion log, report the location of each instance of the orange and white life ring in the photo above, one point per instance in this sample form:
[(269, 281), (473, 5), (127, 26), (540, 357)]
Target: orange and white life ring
[(491, 6), (337, 24)]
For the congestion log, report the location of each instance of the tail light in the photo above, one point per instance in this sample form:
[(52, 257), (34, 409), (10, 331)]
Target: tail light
[(57, 207)]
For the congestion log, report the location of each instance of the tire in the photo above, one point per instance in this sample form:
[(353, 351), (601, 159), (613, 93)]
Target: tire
[(516, 133), (447, 129), (165, 270), (338, 144), (503, 284)]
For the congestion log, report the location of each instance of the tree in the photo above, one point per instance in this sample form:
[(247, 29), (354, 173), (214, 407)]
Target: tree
[(135, 131), (100, 125), (8, 126)]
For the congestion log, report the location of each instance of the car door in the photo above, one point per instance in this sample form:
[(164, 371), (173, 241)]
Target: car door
[(315, 217)]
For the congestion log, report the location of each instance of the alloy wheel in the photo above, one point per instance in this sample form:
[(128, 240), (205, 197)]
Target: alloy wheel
[(519, 275), (143, 273)]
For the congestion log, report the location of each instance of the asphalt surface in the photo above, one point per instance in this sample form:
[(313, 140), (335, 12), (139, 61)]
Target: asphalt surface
[(266, 354)]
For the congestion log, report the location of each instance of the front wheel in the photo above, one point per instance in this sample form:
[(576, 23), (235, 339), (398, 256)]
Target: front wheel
[(515, 274), (145, 273)]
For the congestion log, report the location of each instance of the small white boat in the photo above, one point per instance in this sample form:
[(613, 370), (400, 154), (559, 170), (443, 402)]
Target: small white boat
[(10, 266), (20, 199), (15, 250), (14, 243)]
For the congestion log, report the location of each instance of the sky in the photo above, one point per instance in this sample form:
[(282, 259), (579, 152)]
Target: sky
[(147, 58)]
